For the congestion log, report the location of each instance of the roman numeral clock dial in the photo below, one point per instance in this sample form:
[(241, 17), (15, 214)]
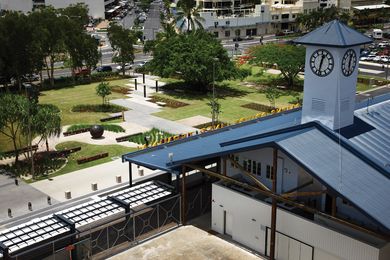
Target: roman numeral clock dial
[(349, 62), (321, 63)]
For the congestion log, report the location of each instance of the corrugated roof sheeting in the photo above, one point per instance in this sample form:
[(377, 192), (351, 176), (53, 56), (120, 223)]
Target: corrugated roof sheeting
[(376, 143), (343, 171), (335, 34), (209, 144)]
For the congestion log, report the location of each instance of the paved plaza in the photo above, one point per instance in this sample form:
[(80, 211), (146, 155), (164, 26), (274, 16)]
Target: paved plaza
[(186, 242)]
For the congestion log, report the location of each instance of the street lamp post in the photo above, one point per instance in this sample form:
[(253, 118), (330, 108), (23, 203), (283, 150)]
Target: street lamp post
[(213, 107)]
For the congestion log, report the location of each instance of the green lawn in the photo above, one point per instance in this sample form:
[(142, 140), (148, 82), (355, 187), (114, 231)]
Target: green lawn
[(65, 99), (86, 151), (232, 96)]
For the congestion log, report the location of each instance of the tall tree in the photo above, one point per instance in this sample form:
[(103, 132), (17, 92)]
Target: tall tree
[(188, 16), (17, 46), (50, 27), (290, 59), (13, 115), (122, 41), (318, 17), (176, 56)]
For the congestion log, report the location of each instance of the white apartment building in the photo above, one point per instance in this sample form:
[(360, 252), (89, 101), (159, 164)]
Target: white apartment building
[(96, 7)]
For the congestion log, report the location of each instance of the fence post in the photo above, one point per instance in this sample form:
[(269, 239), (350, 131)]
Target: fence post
[(144, 91), (156, 85), (143, 78), (135, 84)]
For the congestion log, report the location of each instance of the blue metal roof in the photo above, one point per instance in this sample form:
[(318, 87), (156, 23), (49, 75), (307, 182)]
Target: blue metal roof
[(334, 34), (375, 143), (208, 144), (343, 171)]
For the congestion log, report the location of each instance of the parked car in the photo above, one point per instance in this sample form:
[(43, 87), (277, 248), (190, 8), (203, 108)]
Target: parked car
[(369, 57), (248, 37), (128, 66), (105, 68), (81, 72), (30, 77), (237, 39)]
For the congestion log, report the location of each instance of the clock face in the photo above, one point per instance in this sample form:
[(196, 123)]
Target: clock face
[(349, 62), (321, 63)]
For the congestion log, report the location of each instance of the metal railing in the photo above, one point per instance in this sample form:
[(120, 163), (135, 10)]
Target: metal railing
[(111, 236)]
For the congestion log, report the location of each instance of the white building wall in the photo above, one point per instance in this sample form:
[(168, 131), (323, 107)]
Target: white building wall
[(251, 217), (16, 5), (96, 7)]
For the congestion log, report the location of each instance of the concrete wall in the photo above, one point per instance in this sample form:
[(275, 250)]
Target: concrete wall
[(17, 5), (96, 7), (250, 219)]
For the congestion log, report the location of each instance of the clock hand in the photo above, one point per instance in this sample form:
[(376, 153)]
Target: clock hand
[(349, 63), (322, 60)]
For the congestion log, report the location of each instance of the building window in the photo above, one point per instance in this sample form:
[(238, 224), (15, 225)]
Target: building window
[(259, 169), (275, 17), (227, 33), (215, 24), (216, 34), (254, 165), (249, 166), (237, 160), (305, 11), (227, 22), (245, 164), (293, 16), (269, 173), (285, 16)]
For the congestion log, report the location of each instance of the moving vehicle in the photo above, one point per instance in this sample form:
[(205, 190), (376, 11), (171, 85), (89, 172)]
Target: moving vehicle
[(105, 68), (377, 34), (128, 66)]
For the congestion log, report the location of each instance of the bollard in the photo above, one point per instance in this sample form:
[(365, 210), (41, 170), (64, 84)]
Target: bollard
[(48, 200), (9, 213), (144, 91), (16, 182), (143, 78), (94, 186), (118, 179), (135, 84), (68, 195), (156, 85), (141, 172), (29, 205)]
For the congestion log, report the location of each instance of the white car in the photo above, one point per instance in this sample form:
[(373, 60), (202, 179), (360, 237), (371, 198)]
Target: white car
[(368, 58), (128, 66), (377, 59), (385, 59)]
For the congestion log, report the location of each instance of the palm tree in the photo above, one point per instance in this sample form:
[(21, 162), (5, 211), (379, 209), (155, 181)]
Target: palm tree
[(47, 122), (189, 15)]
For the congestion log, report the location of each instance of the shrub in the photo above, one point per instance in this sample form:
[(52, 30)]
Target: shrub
[(243, 72), (107, 127), (98, 108)]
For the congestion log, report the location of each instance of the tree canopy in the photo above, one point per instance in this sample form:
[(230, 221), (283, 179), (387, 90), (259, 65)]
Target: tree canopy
[(290, 59), (188, 16), (122, 41), (197, 58)]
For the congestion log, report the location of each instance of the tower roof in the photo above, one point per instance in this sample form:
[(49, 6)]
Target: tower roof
[(334, 34)]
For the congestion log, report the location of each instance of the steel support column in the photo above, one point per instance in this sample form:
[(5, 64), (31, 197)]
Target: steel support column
[(130, 175), (183, 195)]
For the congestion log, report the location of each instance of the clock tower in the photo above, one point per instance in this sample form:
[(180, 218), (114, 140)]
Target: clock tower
[(331, 69)]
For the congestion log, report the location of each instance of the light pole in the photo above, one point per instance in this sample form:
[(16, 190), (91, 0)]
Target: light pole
[(213, 102)]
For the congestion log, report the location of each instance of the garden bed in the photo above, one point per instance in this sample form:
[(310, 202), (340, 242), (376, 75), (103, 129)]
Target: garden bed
[(258, 107), (119, 89), (110, 118), (76, 131), (155, 136), (92, 158), (106, 127), (98, 108), (168, 102)]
